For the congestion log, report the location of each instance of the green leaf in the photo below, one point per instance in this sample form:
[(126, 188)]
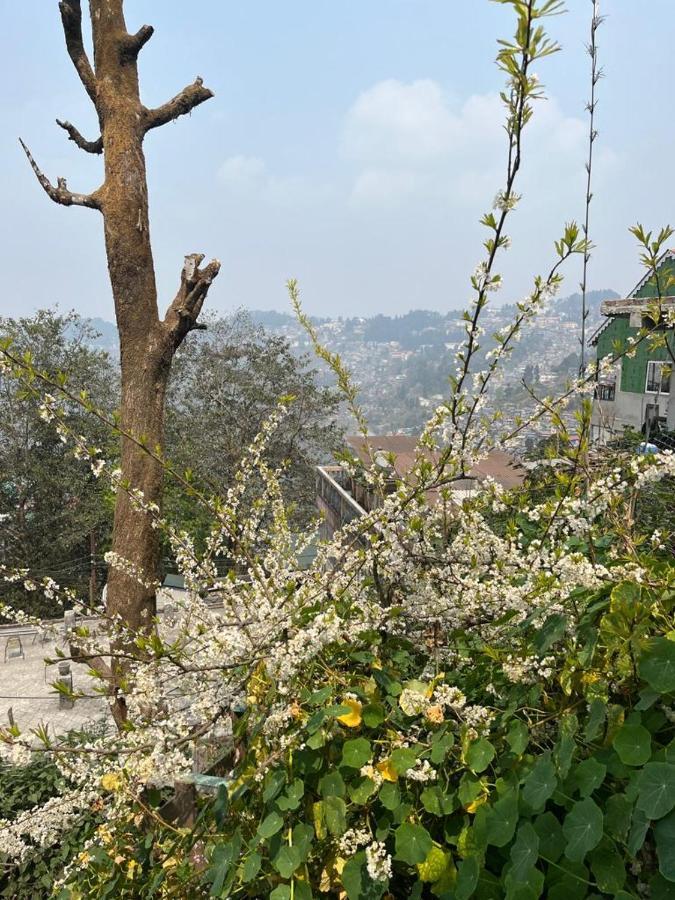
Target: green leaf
[(540, 783), (656, 789), (281, 892), (437, 802), (302, 890), (517, 736), (362, 791), (413, 843), (638, 831), (661, 889), (524, 852), (287, 860), (303, 835), (335, 814), (469, 788), (529, 888), (501, 819), (332, 785), (582, 829), (251, 867), (390, 795), (270, 825), (568, 882), (550, 632), (403, 759), (440, 747), (618, 812), (633, 744), (356, 881), (657, 665), (550, 834), (292, 796), (566, 746), (356, 753), (319, 697), (586, 777), (597, 713), (373, 715), (274, 781), (467, 878), (608, 867), (479, 755), (664, 834)]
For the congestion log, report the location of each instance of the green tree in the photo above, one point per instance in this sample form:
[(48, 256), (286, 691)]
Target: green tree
[(55, 516), (225, 383)]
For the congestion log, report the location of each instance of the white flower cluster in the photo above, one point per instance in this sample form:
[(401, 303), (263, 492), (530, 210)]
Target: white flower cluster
[(412, 702), (378, 861), (422, 772), (528, 669), (352, 841)]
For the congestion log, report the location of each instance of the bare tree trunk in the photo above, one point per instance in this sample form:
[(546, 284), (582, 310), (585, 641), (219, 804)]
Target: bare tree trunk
[(147, 343)]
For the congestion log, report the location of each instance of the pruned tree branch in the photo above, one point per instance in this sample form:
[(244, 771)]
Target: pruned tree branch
[(182, 315), (60, 194), (71, 17), (132, 44), (182, 103), (74, 135)]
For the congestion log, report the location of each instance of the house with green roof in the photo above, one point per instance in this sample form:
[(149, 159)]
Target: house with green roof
[(638, 392)]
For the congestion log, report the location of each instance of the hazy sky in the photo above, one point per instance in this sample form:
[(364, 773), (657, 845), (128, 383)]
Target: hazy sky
[(353, 144)]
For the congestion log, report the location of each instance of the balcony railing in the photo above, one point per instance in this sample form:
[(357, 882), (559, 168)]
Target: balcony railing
[(331, 492), (605, 392)]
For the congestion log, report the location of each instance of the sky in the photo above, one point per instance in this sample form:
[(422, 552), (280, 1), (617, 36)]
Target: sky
[(351, 144)]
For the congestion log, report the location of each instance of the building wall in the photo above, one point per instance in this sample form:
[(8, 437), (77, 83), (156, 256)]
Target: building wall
[(633, 369)]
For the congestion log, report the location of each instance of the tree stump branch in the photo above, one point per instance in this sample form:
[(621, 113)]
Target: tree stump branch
[(75, 136), (61, 193)]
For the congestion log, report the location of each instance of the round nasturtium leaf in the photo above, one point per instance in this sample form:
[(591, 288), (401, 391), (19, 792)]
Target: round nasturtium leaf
[(657, 665), (524, 852), (633, 743), (413, 843), (356, 753), (656, 789), (664, 833), (540, 783), (479, 755), (582, 829)]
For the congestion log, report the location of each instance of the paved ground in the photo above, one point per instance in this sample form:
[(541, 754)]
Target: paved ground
[(25, 687), (25, 681)]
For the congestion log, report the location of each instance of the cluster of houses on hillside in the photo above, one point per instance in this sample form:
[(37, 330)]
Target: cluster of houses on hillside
[(634, 392)]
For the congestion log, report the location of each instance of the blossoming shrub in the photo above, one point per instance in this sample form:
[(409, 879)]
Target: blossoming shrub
[(398, 769), (469, 697), (22, 788)]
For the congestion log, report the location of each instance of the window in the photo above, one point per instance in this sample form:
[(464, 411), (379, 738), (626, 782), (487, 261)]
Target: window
[(658, 378), (605, 391)]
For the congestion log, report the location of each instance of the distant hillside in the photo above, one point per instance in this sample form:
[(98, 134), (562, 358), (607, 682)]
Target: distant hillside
[(107, 335), (271, 319), (570, 307), (412, 330)]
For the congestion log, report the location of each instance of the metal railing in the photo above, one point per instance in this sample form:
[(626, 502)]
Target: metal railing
[(335, 496)]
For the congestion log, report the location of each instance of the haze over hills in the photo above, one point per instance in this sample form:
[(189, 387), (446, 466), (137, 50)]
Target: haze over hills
[(402, 363)]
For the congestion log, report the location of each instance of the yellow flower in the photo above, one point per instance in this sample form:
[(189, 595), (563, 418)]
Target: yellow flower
[(387, 771), (473, 806), (131, 868), (351, 719), (111, 781), (84, 858), (104, 834), (434, 714)]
